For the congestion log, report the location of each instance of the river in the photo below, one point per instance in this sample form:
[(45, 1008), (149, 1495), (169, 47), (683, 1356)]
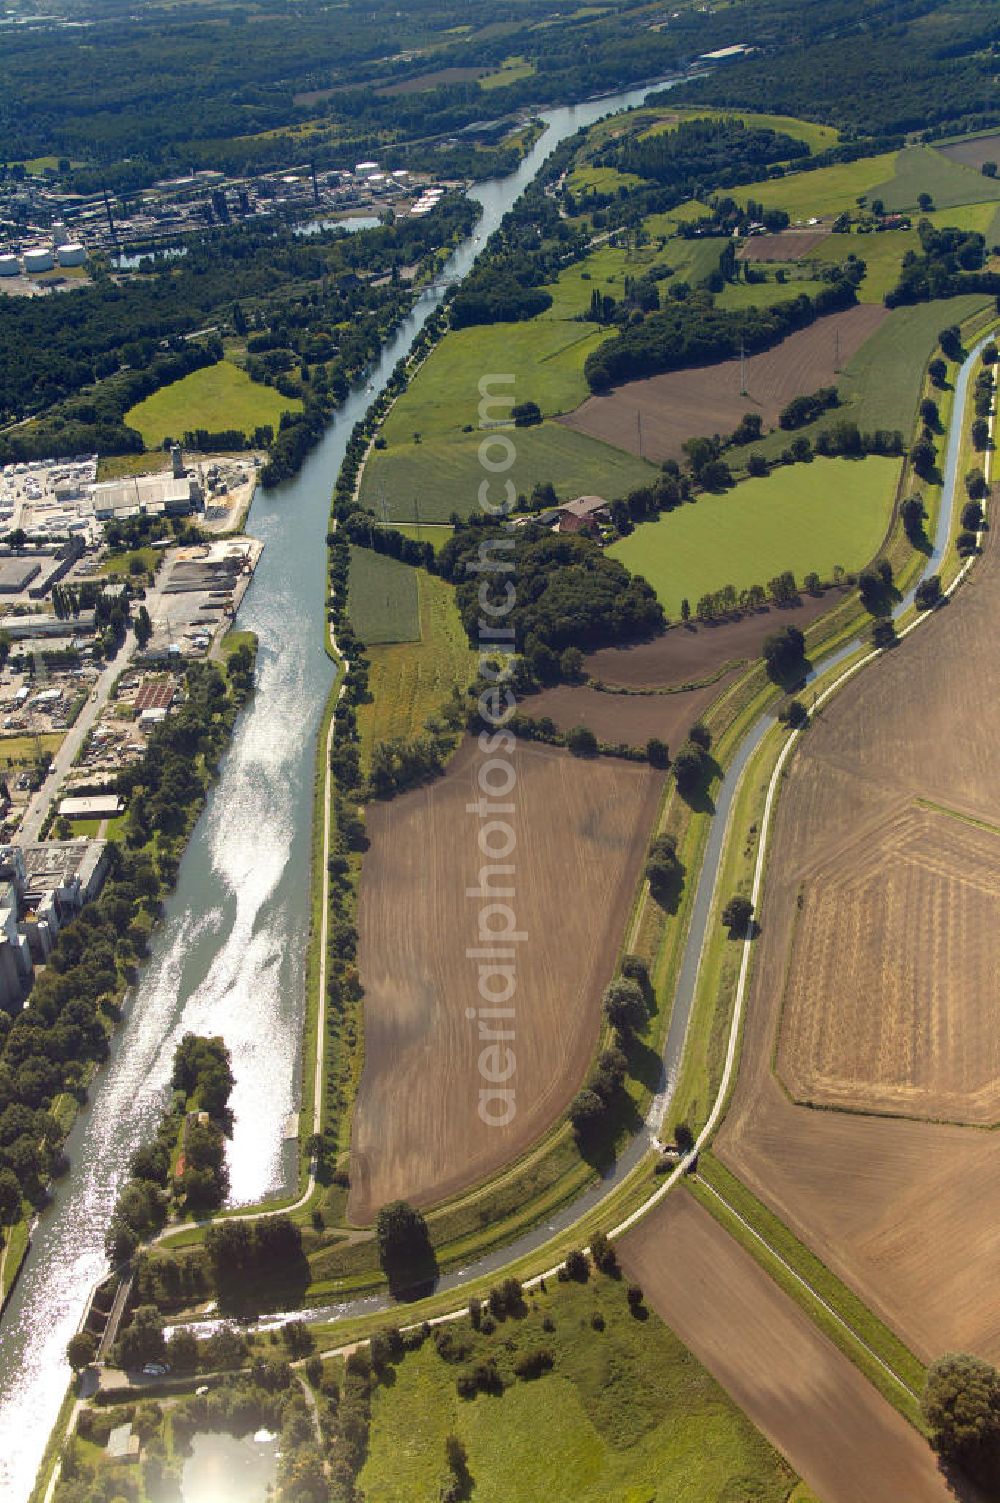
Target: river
[(230, 956)]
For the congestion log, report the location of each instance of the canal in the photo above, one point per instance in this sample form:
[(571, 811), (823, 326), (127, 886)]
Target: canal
[(229, 957)]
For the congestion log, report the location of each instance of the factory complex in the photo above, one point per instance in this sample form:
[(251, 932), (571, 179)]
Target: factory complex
[(48, 237)]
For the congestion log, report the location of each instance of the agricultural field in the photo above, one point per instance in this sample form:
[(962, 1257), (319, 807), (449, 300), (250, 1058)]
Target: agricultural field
[(898, 178), (439, 78), (852, 943), (895, 783), (416, 922), (825, 193), (382, 598), (626, 1414), (922, 169), (412, 679), (628, 718), (666, 223), (974, 150), (880, 384), (801, 517), (512, 70), (545, 356), (217, 397), (765, 294), (680, 404), (430, 467), (591, 179), (430, 480), (883, 254), (436, 534), (817, 137), (846, 1441), (606, 268), (691, 653), (786, 245)]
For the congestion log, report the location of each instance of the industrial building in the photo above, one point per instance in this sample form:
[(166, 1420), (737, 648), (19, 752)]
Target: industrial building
[(15, 955), (41, 888), (152, 495), (91, 806), (16, 573)]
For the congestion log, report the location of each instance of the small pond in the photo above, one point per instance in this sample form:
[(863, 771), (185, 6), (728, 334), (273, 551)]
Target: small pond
[(352, 225), (222, 1469)]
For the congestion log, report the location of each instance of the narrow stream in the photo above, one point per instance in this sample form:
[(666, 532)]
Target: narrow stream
[(229, 957)]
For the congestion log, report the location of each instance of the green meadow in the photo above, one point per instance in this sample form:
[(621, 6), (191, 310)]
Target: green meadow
[(382, 598), (803, 517), (217, 397), (427, 482), (625, 1414)]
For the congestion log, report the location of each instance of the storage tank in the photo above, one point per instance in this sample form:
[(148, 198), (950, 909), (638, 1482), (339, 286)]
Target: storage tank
[(10, 266), (39, 259), (72, 254)]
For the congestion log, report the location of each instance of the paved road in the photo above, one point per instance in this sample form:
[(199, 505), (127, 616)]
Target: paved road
[(86, 720), (76, 735)]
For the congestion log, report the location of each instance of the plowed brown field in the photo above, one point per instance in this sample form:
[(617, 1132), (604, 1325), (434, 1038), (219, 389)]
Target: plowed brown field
[(881, 933), (787, 245), (685, 654), (973, 152), (838, 1433), (628, 718), (680, 404), (581, 831)]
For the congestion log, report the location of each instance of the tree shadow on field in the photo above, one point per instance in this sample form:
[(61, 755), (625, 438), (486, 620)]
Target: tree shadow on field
[(598, 1146), (279, 1286), (919, 541), (698, 797), (880, 599), (644, 1064), (963, 1489)]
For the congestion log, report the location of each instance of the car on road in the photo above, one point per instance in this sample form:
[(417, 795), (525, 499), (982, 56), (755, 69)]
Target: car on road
[(155, 1370)]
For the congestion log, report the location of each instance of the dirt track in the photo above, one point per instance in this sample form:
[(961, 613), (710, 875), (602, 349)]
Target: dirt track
[(873, 834), (680, 404), (834, 1428), (685, 654), (582, 830)]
